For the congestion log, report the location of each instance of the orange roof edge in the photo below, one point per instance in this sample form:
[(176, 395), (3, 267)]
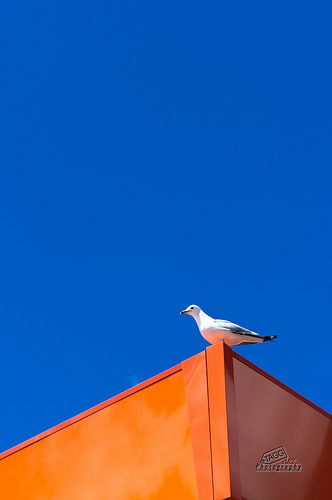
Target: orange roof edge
[(90, 411), (141, 386), (280, 384)]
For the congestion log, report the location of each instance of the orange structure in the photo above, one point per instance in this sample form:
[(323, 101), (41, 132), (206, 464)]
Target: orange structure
[(213, 427)]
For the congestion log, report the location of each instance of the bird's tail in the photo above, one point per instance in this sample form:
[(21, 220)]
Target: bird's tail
[(269, 337)]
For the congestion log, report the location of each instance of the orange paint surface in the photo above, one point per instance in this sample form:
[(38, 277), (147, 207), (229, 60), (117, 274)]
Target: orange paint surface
[(193, 432), (268, 416), (138, 447), (195, 375), (218, 421)]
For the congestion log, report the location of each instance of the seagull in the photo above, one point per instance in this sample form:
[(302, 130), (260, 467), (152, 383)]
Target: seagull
[(221, 330)]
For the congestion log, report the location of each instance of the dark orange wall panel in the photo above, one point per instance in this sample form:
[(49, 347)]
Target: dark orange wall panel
[(268, 416)]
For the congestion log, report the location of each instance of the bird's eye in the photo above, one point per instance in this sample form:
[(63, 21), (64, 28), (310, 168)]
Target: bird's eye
[(191, 308)]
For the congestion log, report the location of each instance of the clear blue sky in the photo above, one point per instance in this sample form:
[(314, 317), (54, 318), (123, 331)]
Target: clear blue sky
[(154, 155)]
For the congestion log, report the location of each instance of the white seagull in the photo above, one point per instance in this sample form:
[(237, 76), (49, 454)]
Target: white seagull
[(220, 330)]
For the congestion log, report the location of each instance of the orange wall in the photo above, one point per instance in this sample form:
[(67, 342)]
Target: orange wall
[(137, 447), (268, 416), (196, 431)]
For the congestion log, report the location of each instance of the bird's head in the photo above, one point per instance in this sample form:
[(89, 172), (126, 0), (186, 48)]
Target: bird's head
[(192, 311)]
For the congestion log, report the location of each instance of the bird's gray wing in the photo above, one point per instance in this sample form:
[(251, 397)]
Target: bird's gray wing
[(233, 328)]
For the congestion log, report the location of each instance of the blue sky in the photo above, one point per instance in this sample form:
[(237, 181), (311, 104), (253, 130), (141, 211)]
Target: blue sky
[(154, 155)]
